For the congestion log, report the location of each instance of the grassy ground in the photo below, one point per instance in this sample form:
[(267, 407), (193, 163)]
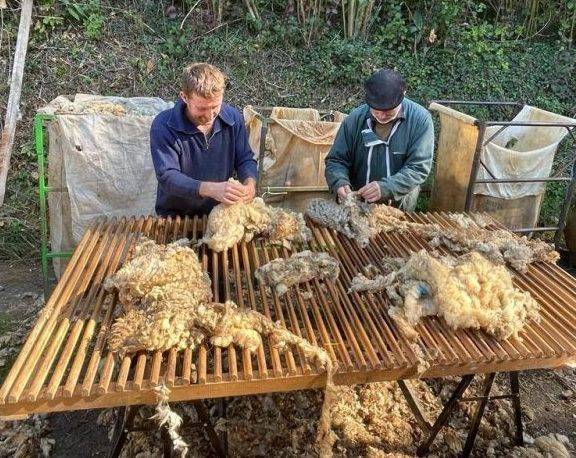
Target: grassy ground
[(135, 49)]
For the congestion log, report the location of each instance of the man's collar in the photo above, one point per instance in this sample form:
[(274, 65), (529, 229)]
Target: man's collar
[(180, 122)]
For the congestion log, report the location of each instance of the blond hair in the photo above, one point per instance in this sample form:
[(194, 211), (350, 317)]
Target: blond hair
[(204, 80)]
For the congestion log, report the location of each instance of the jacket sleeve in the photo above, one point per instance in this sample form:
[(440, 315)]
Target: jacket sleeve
[(339, 159), (165, 156), (245, 164), (418, 162)]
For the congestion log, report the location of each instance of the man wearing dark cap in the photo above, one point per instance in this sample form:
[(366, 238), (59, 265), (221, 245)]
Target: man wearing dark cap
[(384, 148)]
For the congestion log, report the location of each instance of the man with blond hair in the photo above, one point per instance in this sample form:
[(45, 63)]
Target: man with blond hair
[(198, 145)]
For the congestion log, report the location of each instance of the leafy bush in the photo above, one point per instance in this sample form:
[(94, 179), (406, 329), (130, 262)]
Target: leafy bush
[(447, 49)]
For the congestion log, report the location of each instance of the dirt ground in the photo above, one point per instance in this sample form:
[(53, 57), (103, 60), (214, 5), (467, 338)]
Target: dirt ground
[(548, 397)]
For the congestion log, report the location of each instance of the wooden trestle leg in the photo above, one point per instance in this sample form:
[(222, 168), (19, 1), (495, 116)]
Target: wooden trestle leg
[(474, 425)]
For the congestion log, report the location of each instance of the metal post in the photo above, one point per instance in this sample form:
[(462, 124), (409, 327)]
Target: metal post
[(566, 204), (515, 389), (475, 423), (414, 406), (204, 418), (475, 165), (445, 414), (262, 149), (43, 190), (166, 443), (40, 154), (221, 411), (122, 427)]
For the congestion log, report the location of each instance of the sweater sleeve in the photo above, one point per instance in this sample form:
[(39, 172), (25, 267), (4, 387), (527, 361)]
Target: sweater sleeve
[(339, 159), (166, 159)]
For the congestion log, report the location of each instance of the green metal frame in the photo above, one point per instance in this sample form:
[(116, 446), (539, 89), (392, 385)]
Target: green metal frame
[(43, 190)]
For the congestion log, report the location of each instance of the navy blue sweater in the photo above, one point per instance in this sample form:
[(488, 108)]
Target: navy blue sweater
[(184, 157)]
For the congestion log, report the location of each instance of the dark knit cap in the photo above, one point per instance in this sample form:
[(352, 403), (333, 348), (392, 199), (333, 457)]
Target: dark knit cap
[(384, 90)]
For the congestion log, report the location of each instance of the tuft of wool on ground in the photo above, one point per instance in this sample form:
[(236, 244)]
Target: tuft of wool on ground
[(548, 446)]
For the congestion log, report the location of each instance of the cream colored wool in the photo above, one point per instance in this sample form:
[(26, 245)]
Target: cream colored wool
[(384, 218), (550, 446), (465, 221), (166, 417), (287, 227), (499, 246), (166, 295), (468, 292), (230, 224), (282, 273), (158, 289)]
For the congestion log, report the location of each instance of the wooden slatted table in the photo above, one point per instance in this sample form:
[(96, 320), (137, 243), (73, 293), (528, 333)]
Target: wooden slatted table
[(65, 364)]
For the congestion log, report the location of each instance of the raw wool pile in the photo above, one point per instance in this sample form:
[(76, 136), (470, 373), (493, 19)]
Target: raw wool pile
[(357, 219), (468, 292), (61, 105), (275, 424), (25, 438), (282, 273), (375, 419), (361, 283), (349, 217), (165, 297), (230, 224), (227, 324), (468, 220), (499, 246), (160, 290), (549, 446), (287, 227), (384, 218)]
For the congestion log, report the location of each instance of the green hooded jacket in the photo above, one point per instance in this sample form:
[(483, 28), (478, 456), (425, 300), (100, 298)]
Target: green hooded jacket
[(399, 165)]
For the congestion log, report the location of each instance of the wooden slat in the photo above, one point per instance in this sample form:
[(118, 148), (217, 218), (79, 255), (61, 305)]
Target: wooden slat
[(65, 363), (22, 369)]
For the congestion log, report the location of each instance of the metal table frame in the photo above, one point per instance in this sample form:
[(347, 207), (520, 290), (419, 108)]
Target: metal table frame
[(477, 161)]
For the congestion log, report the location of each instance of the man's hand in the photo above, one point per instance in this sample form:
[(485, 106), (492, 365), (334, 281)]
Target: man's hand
[(226, 192), (343, 191), (250, 189), (371, 192)]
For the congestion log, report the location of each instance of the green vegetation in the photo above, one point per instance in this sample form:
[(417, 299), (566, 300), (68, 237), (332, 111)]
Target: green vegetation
[(285, 52)]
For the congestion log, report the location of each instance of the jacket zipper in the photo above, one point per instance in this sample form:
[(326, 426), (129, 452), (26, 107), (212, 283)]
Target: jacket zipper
[(207, 140)]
